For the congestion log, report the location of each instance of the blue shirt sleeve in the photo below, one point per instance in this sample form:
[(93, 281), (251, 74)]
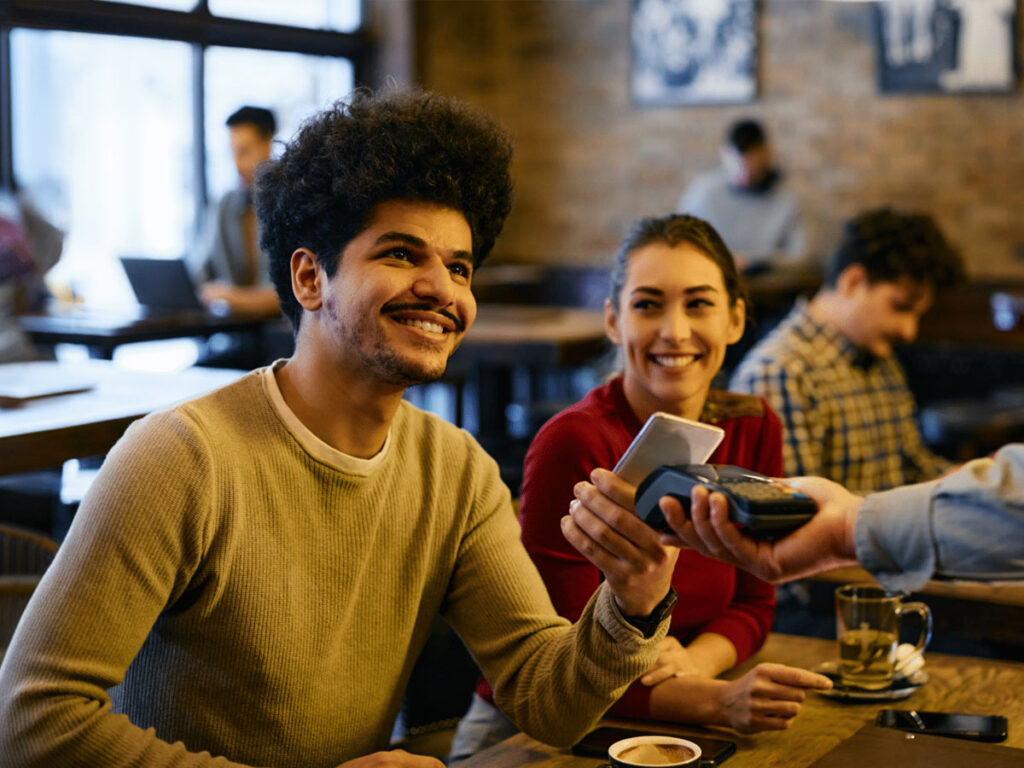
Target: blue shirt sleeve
[(966, 525)]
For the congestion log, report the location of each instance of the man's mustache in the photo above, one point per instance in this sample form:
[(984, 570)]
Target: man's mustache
[(460, 326)]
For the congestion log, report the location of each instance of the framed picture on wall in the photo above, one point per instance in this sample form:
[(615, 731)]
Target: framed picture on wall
[(946, 46), (693, 52)]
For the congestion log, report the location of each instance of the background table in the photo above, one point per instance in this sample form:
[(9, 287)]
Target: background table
[(104, 330), (50, 430), (958, 684), (522, 355)]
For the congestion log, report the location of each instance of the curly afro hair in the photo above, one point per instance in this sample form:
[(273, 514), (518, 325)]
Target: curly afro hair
[(891, 245), (401, 144)]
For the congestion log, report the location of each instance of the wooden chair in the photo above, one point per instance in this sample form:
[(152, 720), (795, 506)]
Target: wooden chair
[(24, 557)]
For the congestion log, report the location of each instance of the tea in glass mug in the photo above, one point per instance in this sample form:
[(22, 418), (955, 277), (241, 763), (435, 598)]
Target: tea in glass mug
[(867, 628)]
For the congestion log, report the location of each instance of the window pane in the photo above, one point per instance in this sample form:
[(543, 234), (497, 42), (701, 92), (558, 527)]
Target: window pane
[(171, 5), (103, 145), (337, 15), (293, 85)]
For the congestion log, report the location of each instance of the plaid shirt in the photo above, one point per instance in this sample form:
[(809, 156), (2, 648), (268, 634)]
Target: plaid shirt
[(846, 415)]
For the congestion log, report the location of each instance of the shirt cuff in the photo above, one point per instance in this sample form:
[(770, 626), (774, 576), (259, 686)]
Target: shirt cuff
[(608, 615), (893, 537)]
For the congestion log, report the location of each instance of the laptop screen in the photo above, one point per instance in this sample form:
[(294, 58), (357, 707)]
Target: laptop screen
[(161, 284)]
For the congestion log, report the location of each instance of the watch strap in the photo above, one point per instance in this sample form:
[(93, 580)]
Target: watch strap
[(648, 625)]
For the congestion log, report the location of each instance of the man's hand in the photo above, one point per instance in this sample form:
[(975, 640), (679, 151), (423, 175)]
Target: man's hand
[(397, 758), (824, 542), (603, 527), (673, 661), (767, 698), (254, 299)]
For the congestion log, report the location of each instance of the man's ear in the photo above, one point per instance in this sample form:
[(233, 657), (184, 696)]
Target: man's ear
[(307, 279), (611, 323), (737, 321), (852, 280)]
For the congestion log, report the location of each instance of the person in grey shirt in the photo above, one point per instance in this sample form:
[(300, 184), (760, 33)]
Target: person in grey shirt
[(968, 524), (748, 202), (234, 270)]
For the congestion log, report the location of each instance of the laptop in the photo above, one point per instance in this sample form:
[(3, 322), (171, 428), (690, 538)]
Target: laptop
[(161, 285)]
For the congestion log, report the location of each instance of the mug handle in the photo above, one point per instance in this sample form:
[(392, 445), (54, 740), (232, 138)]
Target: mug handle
[(925, 613)]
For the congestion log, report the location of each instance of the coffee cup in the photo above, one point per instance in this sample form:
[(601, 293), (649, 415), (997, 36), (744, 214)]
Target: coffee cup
[(643, 751), (868, 630)]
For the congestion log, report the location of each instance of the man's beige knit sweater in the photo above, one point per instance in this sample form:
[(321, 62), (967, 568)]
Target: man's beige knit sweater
[(235, 591)]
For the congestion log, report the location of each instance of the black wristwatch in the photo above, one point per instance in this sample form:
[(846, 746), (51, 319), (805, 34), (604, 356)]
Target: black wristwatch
[(649, 624)]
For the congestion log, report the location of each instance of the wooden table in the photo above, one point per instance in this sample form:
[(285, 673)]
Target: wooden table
[(104, 330), (48, 431), (958, 684)]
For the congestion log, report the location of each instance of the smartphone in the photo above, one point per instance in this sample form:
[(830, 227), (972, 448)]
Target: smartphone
[(764, 508), (961, 726), (595, 744), (667, 439)]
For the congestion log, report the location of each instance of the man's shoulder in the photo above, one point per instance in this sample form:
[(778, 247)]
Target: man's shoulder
[(234, 200), (231, 404), (784, 347), (705, 184)]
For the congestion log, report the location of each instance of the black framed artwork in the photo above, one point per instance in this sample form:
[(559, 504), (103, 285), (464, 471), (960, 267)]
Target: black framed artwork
[(693, 52), (946, 46)]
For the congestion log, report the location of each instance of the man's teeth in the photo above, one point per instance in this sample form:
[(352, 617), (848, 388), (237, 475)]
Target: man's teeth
[(424, 325), (674, 361)]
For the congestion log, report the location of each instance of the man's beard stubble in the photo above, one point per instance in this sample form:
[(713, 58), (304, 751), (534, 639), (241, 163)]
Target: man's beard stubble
[(379, 360)]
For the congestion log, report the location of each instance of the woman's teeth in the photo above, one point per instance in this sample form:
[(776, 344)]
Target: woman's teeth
[(674, 361)]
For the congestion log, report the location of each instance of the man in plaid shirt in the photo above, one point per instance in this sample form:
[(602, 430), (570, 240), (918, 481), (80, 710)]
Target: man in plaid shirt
[(828, 369)]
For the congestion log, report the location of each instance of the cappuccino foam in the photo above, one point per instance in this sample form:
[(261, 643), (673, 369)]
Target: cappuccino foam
[(656, 754)]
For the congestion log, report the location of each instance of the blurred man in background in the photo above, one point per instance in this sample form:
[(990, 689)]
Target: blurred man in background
[(234, 270), (748, 203)]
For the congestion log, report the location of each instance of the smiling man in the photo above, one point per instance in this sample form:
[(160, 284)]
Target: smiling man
[(253, 574), (828, 369)]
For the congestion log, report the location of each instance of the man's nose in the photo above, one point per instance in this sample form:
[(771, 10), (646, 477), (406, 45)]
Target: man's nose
[(909, 328), (434, 281)]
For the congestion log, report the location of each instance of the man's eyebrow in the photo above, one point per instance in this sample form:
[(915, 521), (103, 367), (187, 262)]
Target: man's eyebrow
[(402, 237), (419, 242)]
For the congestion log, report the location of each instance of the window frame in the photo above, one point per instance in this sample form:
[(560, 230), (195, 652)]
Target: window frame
[(197, 27)]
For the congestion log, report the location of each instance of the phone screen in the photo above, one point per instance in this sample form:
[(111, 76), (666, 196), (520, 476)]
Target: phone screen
[(596, 743), (963, 726), (667, 439)]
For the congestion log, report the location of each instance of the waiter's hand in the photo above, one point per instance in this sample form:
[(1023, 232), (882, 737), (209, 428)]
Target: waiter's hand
[(824, 542), (603, 527)]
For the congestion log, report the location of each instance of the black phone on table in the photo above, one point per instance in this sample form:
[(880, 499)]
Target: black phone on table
[(764, 508), (595, 744), (958, 725)]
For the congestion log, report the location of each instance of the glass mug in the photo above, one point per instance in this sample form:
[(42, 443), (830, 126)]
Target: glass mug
[(868, 631)]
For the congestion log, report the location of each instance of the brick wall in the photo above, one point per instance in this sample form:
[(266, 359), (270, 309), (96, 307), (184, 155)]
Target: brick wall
[(588, 162)]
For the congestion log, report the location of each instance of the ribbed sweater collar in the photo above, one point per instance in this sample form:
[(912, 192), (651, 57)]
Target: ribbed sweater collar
[(312, 444)]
